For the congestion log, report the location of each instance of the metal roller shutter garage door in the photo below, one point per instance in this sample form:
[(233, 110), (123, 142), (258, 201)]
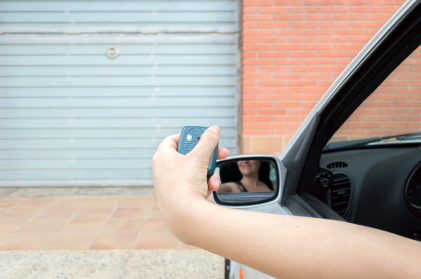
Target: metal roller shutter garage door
[(72, 116)]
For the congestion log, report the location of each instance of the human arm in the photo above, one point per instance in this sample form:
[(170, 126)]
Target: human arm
[(281, 246)]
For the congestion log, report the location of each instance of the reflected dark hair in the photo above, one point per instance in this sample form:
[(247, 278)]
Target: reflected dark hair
[(231, 173)]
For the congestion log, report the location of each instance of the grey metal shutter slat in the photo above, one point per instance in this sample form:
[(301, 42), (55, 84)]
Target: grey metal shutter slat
[(69, 115)]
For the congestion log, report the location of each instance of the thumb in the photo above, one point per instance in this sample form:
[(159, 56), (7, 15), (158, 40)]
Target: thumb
[(207, 142)]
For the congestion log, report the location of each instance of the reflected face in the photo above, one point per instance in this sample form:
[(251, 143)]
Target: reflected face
[(249, 167)]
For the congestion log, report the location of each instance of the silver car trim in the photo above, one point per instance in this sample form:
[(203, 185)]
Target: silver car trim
[(351, 68), (282, 175)]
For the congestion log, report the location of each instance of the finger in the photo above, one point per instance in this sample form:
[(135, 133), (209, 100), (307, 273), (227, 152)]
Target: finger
[(223, 153), (207, 142), (213, 182), (170, 142)]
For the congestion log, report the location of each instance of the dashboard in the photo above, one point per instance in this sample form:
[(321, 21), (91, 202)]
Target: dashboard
[(379, 187)]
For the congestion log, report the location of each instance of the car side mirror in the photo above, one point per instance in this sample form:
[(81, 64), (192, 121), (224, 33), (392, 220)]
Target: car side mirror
[(248, 180)]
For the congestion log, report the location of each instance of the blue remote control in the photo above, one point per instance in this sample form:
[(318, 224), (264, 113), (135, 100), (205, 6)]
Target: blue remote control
[(190, 136)]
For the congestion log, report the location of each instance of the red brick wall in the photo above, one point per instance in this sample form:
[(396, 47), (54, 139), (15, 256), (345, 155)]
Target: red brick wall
[(292, 51)]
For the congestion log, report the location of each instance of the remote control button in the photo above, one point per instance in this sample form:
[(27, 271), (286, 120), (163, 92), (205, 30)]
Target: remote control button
[(189, 137)]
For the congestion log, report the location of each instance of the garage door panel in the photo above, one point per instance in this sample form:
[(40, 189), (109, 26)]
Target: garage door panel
[(133, 91)]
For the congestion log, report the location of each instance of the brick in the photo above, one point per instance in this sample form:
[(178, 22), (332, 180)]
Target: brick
[(304, 10), (362, 125), (289, 47), (257, 76), (249, 24), (256, 132), (303, 83), (407, 104), (288, 76), (332, 68), (343, 61), (392, 125), (303, 111), (248, 111), (303, 53), (365, 111), (256, 90), (272, 111), (257, 62), (289, 2), (286, 104), (304, 39), (392, 111), (303, 24), (284, 132), (248, 83), (320, 2), (273, 10), (366, 24), (393, 97), (350, 46), (334, 24), (381, 2), (318, 61), (257, 17), (272, 97), (319, 32), (272, 125), (335, 10), (371, 31), (320, 17), (249, 54), (318, 76), (287, 90), (272, 83), (336, 39), (377, 118), (256, 104), (289, 62), (272, 69), (319, 46), (257, 47), (350, 17), (303, 69), (273, 54), (302, 97), (257, 2), (288, 118), (349, 32), (350, 2), (315, 89), (377, 133), (249, 40), (383, 17), (250, 10), (248, 97), (377, 104), (249, 126), (309, 104), (273, 24), (248, 69), (325, 83), (289, 17), (276, 39), (390, 9), (366, 9), (288, 32), (407, 118), (257, 32)]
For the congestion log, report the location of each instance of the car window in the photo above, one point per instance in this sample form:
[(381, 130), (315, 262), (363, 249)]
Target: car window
[(394, 108)]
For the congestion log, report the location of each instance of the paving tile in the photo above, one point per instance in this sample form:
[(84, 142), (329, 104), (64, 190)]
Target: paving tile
[(57, 213), (83, 226), (123, 225), (12, 225), (130, 212), (157, 241), (68, 203), (21, 213), (34, 203), (7, 203), (26, 241), (70, 241), (44, 225), (94, 213), (4, 236), (114, 241), (155, 225), (102, 202), (154, 213), (137, 202)]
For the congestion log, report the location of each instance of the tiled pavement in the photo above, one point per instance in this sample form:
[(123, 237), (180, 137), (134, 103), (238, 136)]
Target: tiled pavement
[(82, 219)]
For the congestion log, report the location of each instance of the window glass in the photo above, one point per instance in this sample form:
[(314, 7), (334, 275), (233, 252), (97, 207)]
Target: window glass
[(394, 108)]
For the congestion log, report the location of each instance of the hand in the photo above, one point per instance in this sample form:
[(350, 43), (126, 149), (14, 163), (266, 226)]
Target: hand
[(180, 177)]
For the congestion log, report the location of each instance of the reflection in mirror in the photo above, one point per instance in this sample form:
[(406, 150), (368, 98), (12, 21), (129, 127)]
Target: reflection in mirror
[(247, 180)]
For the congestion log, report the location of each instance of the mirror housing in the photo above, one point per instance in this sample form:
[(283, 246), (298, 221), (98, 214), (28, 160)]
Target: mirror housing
[(249, 180)]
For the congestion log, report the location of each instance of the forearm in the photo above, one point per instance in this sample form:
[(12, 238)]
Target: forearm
[(296, 247)]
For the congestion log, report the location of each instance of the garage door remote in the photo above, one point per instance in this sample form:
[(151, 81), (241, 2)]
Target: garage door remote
[(190, 136)]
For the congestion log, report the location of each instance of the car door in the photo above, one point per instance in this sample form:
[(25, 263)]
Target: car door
[(302, 180)]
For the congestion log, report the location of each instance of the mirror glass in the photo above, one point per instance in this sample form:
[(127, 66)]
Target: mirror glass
[(247, 181)]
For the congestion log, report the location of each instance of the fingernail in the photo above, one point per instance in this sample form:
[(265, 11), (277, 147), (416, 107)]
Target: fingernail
[(215, 129), (217, 182)]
